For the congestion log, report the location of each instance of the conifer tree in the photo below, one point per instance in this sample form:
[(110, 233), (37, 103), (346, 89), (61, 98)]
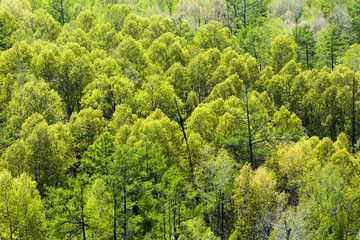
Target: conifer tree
[(332, 46)]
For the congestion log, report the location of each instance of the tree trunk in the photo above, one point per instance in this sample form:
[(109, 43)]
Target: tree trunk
[(244, 17), (222, 216), (181, 121), (169, 219), (164, 215), (82, 213), (125, 220), (249, 131), (353, 117), (218, 214), (115, 212)]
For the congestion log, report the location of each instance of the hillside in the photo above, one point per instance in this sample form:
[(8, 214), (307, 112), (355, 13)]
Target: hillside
[(179, 119)]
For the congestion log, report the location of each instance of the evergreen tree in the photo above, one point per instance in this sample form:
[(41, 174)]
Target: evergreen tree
[(332, 46), (7, 27), (246, 13), (304, 37), (354, 11)]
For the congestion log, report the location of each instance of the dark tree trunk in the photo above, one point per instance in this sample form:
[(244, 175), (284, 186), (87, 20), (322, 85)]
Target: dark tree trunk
[(249, 131), (353, 117)]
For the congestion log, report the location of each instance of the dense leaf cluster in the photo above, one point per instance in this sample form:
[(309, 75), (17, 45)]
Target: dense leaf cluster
[(205, 119)]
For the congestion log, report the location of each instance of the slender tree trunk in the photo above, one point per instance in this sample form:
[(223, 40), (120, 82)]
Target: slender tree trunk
[(164, 215), (174, 218), (249, 131), (218, 214), (82, 213), (62, 12), (307, 57), (181, 121), (353, 117), (115, 212), (169, 219), (244, 17), (125, 219), (8, 216), (222, 216)]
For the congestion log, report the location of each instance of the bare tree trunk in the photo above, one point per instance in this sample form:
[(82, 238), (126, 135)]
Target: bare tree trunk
[(125, 219), (249, 130), (222, 216), (115, 212)]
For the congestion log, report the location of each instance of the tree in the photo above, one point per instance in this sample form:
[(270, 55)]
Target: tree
[(157, 27), (332, 45), (214, 178), (201, 68), (7, 27), (60, 10), (106, 93), (46, 63), (156, 128), (256, 202), (175, 193), (354, 11), (86, 126), (104, 37), (128, 178), (212, 35), (75, 73), (98, 157), (250, 131), (134, 26), (43, 152), (34, 97), (16, 61), (39, 25), (205, 118), (333, 199), (85, 20), (69, 215), (351, 60), (178, 77), (282, 50), (18, 8), (293, 9), (117, 15), (245, 13), (170, 5), (22, 211), (304, 37), (156, 93), (253, 44), (132, 59)]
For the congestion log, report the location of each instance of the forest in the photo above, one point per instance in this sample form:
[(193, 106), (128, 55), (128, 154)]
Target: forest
[(180, 119)]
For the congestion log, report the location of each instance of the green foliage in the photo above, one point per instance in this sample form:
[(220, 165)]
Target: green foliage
[(255, 198), (39, 25), (117, 15), (34, 97), (85, 127), (332, 46), (68, 211), (106, 93), (206, 120), (85, 20), (244, 14), (212, 35), (22, 210), (283, 50), (43, 152), (60, 10), (7, 27), (304, 37)]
